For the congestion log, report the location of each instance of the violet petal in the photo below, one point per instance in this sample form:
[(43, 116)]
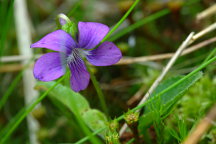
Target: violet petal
[(79, 75), (58, 40), (91, 33), (106, 54), (49, 67)]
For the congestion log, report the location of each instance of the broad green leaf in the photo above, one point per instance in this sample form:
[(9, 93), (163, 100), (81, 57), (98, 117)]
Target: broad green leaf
[(95, 120), (74, 101), (163, 103)]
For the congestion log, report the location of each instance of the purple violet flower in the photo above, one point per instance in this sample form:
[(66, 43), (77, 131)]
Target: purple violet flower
[(69, 53)]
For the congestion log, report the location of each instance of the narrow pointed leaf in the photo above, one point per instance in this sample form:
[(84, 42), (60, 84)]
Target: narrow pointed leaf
[(163, 103)]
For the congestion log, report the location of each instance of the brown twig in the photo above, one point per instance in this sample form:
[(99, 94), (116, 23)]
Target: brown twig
[(202, 127), (206, 13), (13, 67), (203, 32), (137, 95), (125, 61), (16, 58)]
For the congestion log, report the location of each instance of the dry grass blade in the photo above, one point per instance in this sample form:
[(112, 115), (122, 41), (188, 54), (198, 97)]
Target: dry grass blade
[(22, 24), (206, 13), (125, 61), (202, 127)]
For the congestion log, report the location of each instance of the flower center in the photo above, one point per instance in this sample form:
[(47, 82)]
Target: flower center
[(77, 53)]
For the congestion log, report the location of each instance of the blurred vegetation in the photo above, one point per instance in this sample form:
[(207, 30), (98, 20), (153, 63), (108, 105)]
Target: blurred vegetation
[(119, 83)]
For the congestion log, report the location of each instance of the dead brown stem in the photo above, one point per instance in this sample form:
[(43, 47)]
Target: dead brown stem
[(202, 127), (137, 95), (125, 61)]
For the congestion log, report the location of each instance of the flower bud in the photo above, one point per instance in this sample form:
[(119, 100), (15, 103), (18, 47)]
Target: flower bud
[(113, 125), (64, 23), (112, 138), (131, 117)]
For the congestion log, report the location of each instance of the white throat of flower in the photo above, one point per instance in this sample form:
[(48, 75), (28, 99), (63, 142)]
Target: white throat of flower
[(77, 53)]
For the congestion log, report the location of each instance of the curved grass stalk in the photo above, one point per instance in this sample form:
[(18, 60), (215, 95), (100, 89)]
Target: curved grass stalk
[(121, 20), (13, 124), (139, 23)]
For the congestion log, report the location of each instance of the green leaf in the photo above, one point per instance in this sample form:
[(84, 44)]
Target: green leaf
[(95, 120), (163, 103), (74, 101)]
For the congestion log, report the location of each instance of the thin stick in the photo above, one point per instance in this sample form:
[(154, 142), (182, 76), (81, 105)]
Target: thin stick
[(141, 59), (125, 61), (167, 68), (137, 95), (206, 13), (202, 127), (203, 32), (17, 58), (23, 32), (164, 72)]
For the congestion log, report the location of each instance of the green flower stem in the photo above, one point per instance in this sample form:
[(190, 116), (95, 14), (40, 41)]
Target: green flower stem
[(99, 91), (8, 130), (161, 93), (120, 21), (139, 24)]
